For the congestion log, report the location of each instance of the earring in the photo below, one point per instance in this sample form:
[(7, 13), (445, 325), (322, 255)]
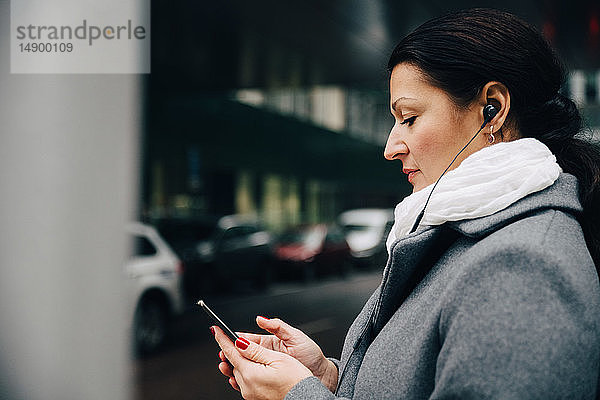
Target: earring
[(491, 137)]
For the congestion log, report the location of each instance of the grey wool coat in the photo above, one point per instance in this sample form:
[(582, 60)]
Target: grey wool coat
[(499, 307)]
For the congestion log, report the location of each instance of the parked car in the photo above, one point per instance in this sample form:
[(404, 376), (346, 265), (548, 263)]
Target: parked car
[(219, 252), (311, 250), (154, 283), (366, 231), (183, 235)]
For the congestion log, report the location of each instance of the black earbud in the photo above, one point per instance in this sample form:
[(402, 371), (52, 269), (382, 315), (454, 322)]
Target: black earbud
[(489, 112)]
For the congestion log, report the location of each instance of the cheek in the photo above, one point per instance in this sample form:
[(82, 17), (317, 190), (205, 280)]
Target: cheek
[(430, 149)]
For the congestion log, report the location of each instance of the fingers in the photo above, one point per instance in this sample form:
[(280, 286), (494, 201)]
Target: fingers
[(227, 354), (243, 350), (255, 352), (225, 361), (226, 369), (234, 384), (277, 327), (263, 340), (228, 348)]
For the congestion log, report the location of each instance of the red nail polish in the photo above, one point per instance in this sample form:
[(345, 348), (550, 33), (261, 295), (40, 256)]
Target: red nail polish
[(212, 330), (242, 343), (260, 316)]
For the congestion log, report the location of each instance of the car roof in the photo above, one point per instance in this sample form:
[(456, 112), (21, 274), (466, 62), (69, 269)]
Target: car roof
[(139, 228), (230, 221), (366, 216)]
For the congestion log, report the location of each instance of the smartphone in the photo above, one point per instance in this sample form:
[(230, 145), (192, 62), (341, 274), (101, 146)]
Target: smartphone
[(218, 321)]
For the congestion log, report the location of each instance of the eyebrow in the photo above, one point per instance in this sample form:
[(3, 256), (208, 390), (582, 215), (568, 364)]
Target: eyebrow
[(401, 98)]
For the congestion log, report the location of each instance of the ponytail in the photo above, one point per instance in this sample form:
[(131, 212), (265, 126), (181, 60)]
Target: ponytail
[(558, 124), (582, 159)]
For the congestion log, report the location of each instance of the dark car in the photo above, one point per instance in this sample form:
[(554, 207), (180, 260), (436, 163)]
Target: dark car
[(311, 250), (219, 252)]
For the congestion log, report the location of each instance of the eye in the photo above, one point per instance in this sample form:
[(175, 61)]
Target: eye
[(409, 121)]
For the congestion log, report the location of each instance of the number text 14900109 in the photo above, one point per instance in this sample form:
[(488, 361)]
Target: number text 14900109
[(45, 47)]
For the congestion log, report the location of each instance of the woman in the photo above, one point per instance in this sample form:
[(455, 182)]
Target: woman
[(494, 292)]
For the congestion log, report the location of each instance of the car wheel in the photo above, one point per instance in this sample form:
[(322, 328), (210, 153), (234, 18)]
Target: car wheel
[(150, 325)]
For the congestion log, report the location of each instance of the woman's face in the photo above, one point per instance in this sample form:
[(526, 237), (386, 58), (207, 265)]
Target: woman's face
[(429, 129)]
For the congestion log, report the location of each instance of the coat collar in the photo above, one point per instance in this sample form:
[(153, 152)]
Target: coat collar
[(411, 257), (562, 195)]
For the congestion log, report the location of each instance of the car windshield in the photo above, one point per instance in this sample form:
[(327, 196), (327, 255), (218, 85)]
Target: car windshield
[(358, 228), (185, 234)]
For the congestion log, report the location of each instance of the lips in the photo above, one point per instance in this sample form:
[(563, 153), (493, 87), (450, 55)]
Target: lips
[(411, 173)]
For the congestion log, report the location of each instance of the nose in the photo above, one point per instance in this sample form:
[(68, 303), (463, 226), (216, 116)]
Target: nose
[(394, 147)]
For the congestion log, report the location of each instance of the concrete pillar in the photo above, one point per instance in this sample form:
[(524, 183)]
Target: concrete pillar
[(68, 184)]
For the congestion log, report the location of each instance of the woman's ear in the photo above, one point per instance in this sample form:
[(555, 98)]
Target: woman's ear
[(497, 94)]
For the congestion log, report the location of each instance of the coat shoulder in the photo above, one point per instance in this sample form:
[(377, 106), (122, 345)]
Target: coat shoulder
[(518, 312), (543, 255), (549, 236)]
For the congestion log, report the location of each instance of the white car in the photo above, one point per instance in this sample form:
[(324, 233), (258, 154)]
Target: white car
[(154, 287), (366, 231)]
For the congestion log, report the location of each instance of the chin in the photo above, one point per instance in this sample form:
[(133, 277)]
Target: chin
[(417, 187), (420, 183)]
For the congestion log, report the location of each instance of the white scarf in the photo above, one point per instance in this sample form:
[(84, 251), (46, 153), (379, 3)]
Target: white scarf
[(486, 182)]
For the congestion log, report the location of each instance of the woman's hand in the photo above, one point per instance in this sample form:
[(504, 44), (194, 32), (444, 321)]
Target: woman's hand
[(289, 340), (260, 373), (293, 341)]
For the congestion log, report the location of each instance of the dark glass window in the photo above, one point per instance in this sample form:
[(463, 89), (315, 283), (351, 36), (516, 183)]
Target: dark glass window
[(143, 247)]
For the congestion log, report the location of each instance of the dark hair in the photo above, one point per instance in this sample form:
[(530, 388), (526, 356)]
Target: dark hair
[(461, 52)]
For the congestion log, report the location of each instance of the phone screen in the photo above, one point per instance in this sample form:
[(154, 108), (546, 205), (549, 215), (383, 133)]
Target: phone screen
[(218, 321)]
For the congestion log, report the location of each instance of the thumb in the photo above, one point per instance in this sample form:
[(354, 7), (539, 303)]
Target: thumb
[(255, 352), (277, 327)]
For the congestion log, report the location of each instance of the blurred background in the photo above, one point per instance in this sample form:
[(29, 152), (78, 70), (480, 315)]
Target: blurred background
[(247, 169)]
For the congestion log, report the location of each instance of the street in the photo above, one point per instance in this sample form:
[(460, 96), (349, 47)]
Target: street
[(186, 368)]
